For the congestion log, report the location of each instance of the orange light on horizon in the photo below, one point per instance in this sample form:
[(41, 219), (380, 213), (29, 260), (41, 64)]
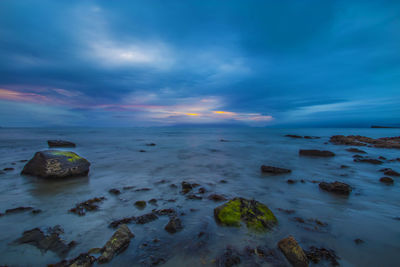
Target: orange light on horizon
[(192, 114), (224, 112)]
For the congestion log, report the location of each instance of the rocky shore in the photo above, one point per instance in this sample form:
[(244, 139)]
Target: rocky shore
[(229, 211)]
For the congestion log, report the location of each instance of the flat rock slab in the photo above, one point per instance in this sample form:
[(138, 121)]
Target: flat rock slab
[(358, 140), (56, 164), (293, 252), (119, 241), (60, 143), (315, 153)]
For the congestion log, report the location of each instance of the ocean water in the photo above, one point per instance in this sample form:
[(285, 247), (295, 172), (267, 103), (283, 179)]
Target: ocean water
[(197, 155)]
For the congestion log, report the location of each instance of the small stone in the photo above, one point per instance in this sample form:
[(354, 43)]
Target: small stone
[(358, 241), (114, 191), (386, 180), (174, 225), (141, 204), (216, 197)]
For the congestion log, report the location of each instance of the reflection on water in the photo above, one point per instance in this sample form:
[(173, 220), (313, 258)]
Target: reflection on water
[(198, 156)]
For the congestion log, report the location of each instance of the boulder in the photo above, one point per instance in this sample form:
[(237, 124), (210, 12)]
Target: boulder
[(293, 252), (116, 244), (254, 214), (316, 153), (274, 170), (56, 164), (336, 187), (60, 143)]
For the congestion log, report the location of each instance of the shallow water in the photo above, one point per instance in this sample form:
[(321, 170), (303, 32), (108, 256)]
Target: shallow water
[(197, 155)]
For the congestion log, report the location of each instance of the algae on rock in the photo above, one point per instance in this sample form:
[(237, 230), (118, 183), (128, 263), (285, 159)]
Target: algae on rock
[(254, 214)]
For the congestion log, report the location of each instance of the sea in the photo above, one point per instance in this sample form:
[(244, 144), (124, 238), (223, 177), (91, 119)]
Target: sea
[(204, 156)]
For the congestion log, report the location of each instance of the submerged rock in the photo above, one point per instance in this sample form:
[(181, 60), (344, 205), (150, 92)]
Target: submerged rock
[(274, 170), (358, 241), (216, 197), (254, 214), (386, 180), (60, 143), (56, 164), (187, 187), (229, 258), (88, 205), (114, 191), (293, 136), (118, 242), (367, 160), (356, 150), (83, 260), (174, 225), (8, 169), (315, 255), (50, 241), (315, 153), (293, 252), (19, 209), (336, 187)]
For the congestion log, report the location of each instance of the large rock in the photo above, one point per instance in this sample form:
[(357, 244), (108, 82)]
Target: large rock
[(274, 170), (336, 187), (293, 252), (118, 242), (56, 164), (60, 143), (254, 214), (316, 153)]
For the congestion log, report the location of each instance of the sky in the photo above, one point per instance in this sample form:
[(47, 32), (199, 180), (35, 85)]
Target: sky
[(197, 62)]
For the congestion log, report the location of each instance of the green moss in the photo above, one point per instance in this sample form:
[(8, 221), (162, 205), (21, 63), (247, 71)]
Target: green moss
[(256, 215), (230, 213), (70, 155)]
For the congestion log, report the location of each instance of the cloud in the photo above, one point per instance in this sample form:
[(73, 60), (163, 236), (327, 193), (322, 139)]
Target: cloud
[(164, 62)]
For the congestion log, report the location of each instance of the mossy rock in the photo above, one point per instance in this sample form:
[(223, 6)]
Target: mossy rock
[(254, 214), (56, 164)]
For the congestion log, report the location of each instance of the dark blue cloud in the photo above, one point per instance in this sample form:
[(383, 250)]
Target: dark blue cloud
[(167, 62)]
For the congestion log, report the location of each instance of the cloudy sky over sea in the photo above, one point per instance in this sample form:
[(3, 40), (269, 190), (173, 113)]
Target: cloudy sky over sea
[(157, 63)]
